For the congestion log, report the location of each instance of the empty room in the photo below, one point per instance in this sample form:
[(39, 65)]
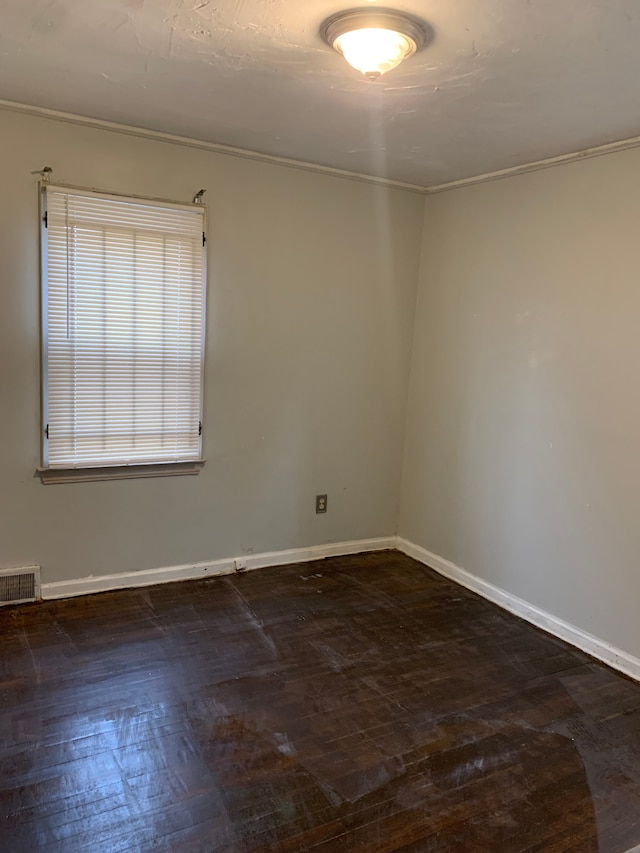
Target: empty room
[(319, 426)]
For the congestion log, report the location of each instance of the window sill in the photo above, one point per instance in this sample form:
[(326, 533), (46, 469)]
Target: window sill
[(55, 476)]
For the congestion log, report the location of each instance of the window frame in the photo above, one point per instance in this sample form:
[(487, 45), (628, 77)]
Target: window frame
[(57, 475)]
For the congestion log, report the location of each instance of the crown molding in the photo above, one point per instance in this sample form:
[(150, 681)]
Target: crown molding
[(203, 145), (434, 189), (537, 165)]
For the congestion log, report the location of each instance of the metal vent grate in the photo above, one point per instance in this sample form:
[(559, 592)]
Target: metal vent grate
[(18, 585)]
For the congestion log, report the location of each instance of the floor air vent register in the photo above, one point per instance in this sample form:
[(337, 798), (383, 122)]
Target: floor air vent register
[(19, 585)]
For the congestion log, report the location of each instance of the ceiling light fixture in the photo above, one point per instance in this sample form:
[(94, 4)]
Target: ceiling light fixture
[(373, 40)]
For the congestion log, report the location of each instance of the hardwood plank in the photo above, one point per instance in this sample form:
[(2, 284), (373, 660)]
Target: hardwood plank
[(351, 704)]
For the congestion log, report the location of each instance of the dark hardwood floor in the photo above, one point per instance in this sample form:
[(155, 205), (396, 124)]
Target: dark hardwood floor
[(351, 704)]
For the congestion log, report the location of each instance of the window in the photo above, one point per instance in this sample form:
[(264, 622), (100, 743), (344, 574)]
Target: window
[(123, 335)]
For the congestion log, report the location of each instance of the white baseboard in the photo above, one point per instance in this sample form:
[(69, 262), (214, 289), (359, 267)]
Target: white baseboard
[(318, 552), (191, 571), (594, 646), (145, 577)]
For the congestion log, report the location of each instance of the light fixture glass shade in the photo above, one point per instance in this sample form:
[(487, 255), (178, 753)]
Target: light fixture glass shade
[(373, 50), (374, 40)]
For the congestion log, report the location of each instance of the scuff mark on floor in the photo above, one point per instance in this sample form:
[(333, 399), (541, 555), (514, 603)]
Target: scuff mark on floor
[(252, 618)]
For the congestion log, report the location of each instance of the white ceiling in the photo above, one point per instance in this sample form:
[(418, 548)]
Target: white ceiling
[(504, 82)]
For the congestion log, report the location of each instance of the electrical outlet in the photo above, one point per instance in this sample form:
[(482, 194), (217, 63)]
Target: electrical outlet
[(240, 564), (321, 503)]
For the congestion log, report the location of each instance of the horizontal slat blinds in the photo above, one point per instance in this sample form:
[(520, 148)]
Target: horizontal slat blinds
[(123, 330)]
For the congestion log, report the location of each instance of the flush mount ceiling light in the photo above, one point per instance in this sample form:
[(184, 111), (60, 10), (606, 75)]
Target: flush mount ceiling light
[(373, 40)]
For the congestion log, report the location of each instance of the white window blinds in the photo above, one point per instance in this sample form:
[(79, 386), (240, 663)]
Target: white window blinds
[(123, 307)]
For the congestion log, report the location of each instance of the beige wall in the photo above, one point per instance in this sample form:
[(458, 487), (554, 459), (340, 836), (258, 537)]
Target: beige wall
[(522, 459), (522, 456), (312, 284)]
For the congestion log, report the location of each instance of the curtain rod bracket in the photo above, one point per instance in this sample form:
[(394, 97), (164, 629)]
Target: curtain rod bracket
[(44, 173)]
